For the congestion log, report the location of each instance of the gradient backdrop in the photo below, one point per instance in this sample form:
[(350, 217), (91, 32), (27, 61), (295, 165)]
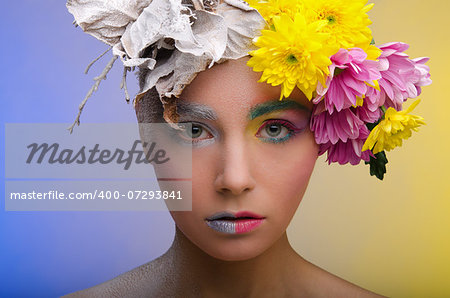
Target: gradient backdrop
[(391, 237)]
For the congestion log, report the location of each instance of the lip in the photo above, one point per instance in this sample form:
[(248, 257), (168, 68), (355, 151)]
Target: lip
[(234, 223), (234, 215)]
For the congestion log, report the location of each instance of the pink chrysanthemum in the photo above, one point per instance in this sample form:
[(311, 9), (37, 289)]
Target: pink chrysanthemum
[(350, 76), (369, 112), (402, 78), (342, 134), (342, 126), (423, 73), (347, 152)]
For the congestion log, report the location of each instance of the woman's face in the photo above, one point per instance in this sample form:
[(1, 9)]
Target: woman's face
[(251, 153)]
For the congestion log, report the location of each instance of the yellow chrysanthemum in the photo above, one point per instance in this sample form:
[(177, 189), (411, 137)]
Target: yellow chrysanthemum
[(347, 20), (294, 54), (373, 52), (271, 8), (393, 129)]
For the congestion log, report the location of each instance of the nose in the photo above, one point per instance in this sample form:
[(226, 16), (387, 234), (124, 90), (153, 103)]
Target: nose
[(235, 173)]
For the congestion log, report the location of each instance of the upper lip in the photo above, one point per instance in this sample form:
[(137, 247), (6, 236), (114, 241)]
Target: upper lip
[(240, 214)]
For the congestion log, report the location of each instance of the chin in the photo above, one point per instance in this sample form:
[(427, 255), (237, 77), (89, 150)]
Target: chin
[(235, 249)]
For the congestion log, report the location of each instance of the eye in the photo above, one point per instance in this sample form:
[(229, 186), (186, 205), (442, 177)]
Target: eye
[(277, 131), (195, 134)]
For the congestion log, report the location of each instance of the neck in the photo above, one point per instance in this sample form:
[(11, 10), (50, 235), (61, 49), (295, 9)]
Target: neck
[(272, 271)]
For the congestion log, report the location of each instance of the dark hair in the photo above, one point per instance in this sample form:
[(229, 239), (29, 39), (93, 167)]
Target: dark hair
[(149, 108)]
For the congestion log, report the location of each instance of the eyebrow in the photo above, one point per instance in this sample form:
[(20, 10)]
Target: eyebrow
[(274, 105), (196, 110), (199, 111)]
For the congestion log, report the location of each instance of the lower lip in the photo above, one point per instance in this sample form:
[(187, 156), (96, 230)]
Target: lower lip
[(237, 226)]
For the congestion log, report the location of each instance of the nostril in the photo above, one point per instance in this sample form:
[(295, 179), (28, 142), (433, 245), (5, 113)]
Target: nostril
[(235, 176), (233, 190)]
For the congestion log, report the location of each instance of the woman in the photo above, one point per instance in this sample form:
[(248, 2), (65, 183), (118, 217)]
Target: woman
[(260, 154), (252, 153)]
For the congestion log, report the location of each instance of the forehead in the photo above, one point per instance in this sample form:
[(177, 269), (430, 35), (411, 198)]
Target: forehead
[(233, 88)]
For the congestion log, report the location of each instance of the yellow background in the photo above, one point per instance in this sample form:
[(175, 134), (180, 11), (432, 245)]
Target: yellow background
[(391, 237)]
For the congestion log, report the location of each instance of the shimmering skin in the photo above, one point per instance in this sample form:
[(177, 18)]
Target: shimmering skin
[(234, 169)]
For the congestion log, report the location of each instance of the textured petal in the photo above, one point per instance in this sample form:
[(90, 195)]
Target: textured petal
[(242, 26), (225, 34), (106, 20), (172, 75), (161, 19), (210, 32)]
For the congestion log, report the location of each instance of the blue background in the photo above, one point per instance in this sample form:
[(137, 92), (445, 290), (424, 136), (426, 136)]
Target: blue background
[(398, 247), (47, 254)]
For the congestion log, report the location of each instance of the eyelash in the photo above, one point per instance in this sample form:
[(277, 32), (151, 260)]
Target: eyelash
[(187, 140), (292, 131)]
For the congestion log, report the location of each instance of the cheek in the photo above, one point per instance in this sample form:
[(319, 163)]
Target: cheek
[(203, 175), (294, 160), (203, 193), (285, 176)]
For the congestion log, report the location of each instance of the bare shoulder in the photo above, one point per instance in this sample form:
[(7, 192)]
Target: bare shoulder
[(138, 282), (322, 283)]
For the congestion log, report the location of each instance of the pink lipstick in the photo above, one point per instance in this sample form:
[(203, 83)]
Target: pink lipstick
[(234, 223)]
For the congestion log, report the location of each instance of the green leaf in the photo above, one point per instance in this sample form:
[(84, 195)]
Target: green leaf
[(371, 126), (337, 71), (378, 165)]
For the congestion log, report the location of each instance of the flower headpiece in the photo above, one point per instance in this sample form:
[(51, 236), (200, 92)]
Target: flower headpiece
[(323, 47)]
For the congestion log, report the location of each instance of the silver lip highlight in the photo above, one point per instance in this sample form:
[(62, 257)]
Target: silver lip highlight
[(223, 226)]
